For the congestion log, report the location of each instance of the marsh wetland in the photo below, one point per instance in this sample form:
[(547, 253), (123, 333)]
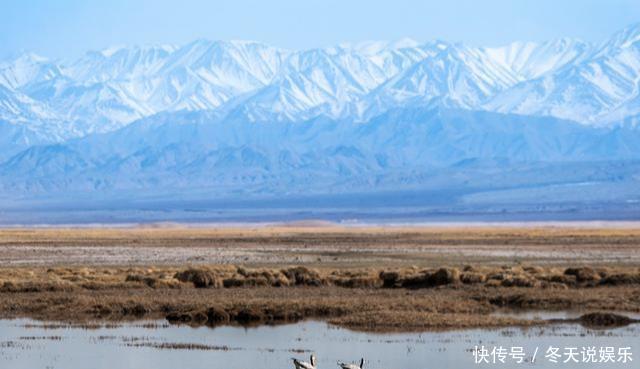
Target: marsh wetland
[(400, 297)]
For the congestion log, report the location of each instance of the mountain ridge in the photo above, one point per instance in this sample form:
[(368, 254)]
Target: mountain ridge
[(241, 118), (106, 90), (185, 149)]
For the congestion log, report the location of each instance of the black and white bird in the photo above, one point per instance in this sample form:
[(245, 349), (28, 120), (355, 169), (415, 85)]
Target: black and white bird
[(352, 366), (303, 364)]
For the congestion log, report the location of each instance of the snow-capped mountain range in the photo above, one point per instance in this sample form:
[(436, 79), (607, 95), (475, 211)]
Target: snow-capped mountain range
[(106, 90), (223, 115)]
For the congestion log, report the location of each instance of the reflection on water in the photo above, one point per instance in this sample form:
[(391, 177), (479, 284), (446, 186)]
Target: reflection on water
[(554, 315), (26, 344)]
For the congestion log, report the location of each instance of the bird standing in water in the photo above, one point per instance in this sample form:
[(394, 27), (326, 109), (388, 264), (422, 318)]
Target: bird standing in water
[(304, 365), (352, 366)]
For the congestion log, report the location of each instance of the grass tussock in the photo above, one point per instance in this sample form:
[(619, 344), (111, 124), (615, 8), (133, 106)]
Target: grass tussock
[(17, 280), (410, 298)]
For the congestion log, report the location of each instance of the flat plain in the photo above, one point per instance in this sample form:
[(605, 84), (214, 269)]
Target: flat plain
[(369, 278)]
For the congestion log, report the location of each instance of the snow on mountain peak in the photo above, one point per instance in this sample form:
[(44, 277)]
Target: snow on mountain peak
[(532, 59), (108, 52), (626, 37), (108, 89), (598, 86), (25, 69), (453, 75)]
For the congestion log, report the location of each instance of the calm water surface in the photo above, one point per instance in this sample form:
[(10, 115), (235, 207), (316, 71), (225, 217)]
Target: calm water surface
[(26, 344)]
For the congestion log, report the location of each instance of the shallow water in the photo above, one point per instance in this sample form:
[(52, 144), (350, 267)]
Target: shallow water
[(554, 315), (26, 344)]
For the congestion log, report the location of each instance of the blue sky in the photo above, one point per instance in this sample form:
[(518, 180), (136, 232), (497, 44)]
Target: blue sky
[(65, 28)]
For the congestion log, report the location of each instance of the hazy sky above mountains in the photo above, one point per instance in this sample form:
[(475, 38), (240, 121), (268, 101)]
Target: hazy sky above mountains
[(66, 28)]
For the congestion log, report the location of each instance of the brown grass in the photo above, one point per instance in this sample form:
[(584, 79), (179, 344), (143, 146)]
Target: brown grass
[(21, 279), (370, 299), (363, 278)]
